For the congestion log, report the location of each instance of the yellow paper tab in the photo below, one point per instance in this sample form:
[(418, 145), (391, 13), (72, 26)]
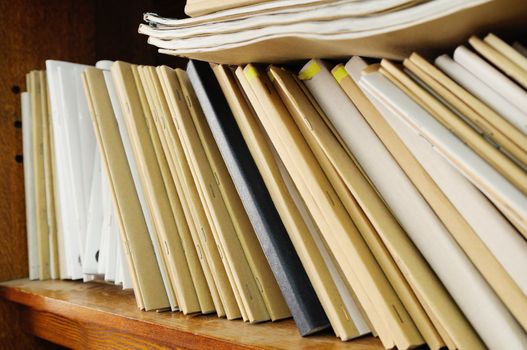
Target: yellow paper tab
[(310, 71), (251, 72), (339, 72)]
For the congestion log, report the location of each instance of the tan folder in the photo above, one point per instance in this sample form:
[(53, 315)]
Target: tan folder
[(444, 313), (187, 260), (498, 160), (229, 247), (49, 177), (501, 124), (362, 271), (272, 296), (237, 267), (35, 90), (495, 50), (305, 245), (203, 281), (220, 272), (145, 274), (487, 120), (358, 197), (476, 250), (159, 197), (507, 50)]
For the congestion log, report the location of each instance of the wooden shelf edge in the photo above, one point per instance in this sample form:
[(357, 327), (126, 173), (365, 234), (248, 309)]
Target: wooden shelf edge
[(97, 315)]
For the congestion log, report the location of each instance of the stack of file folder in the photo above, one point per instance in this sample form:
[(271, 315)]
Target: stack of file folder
[(284, 30), (369, 197)]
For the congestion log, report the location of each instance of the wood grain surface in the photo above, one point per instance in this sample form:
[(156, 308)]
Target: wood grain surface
[(29, 34), (101, 316)]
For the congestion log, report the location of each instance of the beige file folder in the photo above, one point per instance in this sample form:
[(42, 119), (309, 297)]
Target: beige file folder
[(442, 310), (223, 229), (507, 50), (499, 161), (218, 269), (358, 196), (479, 254), (50, 180), (35, 89), (186, 256), (161, 198), (148, 284), (341, 234), (497, 121), (203, 281), (491, 49), (513, 142), (305, 245), (268, 287)]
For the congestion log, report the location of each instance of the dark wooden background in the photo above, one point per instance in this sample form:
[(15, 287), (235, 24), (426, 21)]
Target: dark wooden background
[(31, 31)]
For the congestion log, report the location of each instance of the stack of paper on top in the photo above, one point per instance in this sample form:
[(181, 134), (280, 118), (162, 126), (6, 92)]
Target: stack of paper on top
[(285, 30)]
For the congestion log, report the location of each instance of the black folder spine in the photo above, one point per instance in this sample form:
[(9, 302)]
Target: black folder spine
[(272, 235)]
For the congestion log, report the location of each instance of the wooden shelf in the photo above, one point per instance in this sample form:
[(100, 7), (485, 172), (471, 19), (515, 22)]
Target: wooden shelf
[(97, 315)]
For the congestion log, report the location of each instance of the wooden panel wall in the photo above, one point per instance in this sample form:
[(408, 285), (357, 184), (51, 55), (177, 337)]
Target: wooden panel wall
[(31, 32)]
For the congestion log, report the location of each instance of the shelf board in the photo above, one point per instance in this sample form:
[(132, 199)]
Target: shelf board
[(98, 315)]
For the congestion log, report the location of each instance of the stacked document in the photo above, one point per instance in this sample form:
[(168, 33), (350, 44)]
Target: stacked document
[(285, 30), (72, 227), (369, 197)]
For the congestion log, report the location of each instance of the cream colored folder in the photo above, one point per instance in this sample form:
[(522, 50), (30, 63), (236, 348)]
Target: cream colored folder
[(473, 103), (511, 210), (174, 99), (104, 164), (491, 48), (29, 182), (444, 313), (482, 307), (265, 115), (272, 296), (148, 284), (59, 237), (203, 281), (491, 76), (49, 178), (516, 116), (305, 245), (358, 197), (161, 199), (506, 50), (350, 250), (494, 127), (504, 286), (237, 266), (140, 162), (192, 270), (499, 161), (237, 269), (509, 247), (35, 90)]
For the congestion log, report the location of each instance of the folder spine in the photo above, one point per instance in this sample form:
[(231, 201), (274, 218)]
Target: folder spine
[(278, 249)]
